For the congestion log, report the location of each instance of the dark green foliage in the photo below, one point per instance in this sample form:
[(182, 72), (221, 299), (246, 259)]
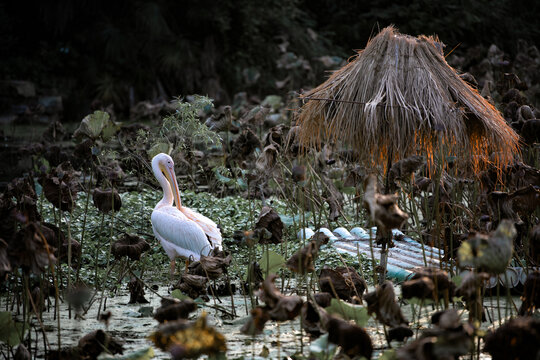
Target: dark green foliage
[(124, 51)]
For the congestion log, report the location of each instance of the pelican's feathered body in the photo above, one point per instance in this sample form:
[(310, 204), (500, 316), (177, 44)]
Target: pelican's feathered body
[(181, 231)]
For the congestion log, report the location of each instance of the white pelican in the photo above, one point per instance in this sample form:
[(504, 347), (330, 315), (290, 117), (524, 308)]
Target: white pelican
[(181, 231)]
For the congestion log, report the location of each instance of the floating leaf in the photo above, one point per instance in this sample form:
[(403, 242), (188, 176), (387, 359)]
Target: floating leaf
[(223, 179), (349, 311), (143, 354), (271, 262), (177, 294), (322, 349)]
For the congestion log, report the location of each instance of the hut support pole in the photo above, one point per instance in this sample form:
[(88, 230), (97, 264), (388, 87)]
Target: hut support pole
[(384, 237)]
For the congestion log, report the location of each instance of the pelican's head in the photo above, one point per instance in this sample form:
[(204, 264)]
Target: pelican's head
[(164, 164)]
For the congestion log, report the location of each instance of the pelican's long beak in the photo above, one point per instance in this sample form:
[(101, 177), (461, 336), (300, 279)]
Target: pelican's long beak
[(171, 177)]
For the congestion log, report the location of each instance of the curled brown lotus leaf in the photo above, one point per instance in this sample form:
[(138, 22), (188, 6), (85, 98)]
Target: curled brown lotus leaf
[(269, 219), (287, 308), (192, 285), (129, 245), (267, 159), (351, 276), (531, 294), (500, 206), (353, 339), (530, 131), (55, 154), (514, 176), (174, 309), (325, 157), (444, 287), (292, 143), (254, 276), (313, 319), (61, 192), (404, 168), (268, 293), (302, 261), (518, 338), (419, 349), (186, 339), (136, 291), (55, 132), (421, 183), (107, 200), (421, 288), (244, 145), (210, 266), (22, 353), (534, 244), (382, 302), (275, 136), (95, 342), (333, 197), (280, 307), (29, 250), (399, 333), (298, 173), (111, 171), (342, 281), (21, 186), (449, 338), (82, 153), (56, 238), (453, 336), (526, 200), (27, 208), (8, 225), (523, 175), (470, 284), (323, 299), (471, 290), (383, 209), (354, 177), (5, 265), (221, 120), (255, 324)]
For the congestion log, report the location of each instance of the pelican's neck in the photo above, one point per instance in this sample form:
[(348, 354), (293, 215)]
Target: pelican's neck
[(167, 192)]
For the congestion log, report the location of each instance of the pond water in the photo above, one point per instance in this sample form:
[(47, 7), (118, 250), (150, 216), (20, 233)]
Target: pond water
[(282, 340)]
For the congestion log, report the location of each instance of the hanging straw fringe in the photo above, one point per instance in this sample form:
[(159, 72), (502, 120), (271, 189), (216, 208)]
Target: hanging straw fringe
[(399, 96)]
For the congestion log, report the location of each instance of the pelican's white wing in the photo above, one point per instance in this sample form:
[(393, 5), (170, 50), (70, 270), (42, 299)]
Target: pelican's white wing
[(209, 227), (178, 235)]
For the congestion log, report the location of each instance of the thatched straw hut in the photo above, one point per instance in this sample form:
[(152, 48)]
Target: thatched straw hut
[(399, 97)]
